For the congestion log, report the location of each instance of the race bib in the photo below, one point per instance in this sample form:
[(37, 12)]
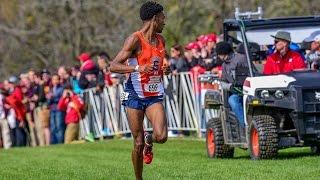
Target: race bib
[(153, 87)]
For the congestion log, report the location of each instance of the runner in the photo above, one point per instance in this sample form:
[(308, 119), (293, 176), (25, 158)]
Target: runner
[(144, 51)]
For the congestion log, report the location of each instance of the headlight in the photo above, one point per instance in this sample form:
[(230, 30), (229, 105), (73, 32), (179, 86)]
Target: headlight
[(279, 94), (265, 94)]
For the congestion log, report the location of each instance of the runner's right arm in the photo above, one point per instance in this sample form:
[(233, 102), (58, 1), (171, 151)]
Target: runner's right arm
[(129, 47)]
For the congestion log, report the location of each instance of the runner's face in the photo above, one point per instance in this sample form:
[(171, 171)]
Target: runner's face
[(160, 22)]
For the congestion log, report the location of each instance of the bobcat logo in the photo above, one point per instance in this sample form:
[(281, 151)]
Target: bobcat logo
[(317, 95)]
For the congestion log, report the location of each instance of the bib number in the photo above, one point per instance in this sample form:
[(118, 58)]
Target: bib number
[(152, 87)]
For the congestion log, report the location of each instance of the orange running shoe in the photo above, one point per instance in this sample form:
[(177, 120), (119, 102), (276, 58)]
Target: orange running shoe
[(147, 151)]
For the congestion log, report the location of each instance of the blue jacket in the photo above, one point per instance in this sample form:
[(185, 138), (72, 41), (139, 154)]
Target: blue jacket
[(56, 95), (75, 86)]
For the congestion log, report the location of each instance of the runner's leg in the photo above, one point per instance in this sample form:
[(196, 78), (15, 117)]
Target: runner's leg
[(135, 118), (157, 117)]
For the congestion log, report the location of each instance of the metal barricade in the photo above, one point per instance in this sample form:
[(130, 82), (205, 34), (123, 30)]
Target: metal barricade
[(106, 116)]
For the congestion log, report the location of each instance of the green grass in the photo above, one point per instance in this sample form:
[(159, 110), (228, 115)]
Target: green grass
[(176, 159)]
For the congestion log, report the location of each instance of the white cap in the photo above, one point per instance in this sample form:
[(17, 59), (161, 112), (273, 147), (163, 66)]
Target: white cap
[(13, 79), (315, 36)]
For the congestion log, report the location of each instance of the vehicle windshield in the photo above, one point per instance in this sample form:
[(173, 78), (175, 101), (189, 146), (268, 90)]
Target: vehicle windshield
[(264, 42), (263, 36)]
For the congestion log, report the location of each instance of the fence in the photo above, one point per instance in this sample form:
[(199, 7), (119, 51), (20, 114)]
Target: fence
[(107, 117)]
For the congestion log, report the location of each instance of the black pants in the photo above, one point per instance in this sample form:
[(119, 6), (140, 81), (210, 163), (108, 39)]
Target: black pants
[(18, 136)]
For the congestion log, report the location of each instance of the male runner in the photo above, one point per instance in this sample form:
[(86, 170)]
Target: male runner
[(144, 51)]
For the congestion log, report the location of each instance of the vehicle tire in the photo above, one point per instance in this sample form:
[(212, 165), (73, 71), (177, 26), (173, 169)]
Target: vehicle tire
[(315, 149), (215, 142), (263, 137)]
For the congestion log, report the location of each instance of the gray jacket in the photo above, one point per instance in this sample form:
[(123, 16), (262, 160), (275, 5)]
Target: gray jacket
[(235, 70)]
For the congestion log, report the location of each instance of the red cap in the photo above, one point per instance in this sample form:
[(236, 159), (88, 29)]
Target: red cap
[(211, 38), (201, 37), (189, 46), (84, 57), (193, 45)]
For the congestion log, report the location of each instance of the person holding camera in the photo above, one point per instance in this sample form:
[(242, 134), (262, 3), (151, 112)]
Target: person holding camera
[(72, 105)]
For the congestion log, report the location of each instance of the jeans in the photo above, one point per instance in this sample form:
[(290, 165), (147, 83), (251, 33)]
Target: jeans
[(57, 126), (18, 136), (235, 101)]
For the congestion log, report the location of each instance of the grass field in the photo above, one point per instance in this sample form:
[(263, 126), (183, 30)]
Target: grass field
[(177, 159)]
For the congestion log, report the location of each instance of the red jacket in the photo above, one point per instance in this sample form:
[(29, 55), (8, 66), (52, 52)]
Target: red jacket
[(277, 65), (107, 79), (15, 101), (73, 106)]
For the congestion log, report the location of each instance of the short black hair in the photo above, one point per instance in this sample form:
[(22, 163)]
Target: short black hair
[(223, 48), (150, 9), (104, 55)]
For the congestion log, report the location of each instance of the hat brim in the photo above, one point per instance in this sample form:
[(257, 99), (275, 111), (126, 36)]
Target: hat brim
[(280, 38)]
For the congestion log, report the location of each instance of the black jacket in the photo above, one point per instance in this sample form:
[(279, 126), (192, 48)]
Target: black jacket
[(235, 70), (98, 80)]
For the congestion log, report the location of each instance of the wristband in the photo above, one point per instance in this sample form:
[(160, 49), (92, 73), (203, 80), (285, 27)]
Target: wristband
[(136, 68)]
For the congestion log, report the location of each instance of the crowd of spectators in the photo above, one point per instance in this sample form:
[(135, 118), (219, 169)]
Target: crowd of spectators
[(42, 108), (199, 54)]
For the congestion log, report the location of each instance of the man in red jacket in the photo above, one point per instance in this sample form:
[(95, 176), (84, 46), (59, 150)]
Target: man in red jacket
[(283, 60), (14, 101), (73, 105)]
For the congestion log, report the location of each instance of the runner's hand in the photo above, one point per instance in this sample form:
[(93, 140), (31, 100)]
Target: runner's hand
[(146, 68)]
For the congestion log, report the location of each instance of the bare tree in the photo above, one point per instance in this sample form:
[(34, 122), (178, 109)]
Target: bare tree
[(47, 33)]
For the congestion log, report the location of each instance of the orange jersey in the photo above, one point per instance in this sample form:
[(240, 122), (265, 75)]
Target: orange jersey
[(147, 84)]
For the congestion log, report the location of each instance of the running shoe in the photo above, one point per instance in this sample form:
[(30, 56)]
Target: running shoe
[(147, 151)]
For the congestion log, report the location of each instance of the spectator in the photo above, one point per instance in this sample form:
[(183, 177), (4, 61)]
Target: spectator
[(190, 50), (45, 76), (209, 58), (4, 126), (283, 60), (14, 104), (44, 82), (89, 77), (211, 40), (31, 76), (28, 92), (177, 62), (57, 125), (64, 76), (313, 55), (75, 76), (72, 105), (41, 112), (103, 64)]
